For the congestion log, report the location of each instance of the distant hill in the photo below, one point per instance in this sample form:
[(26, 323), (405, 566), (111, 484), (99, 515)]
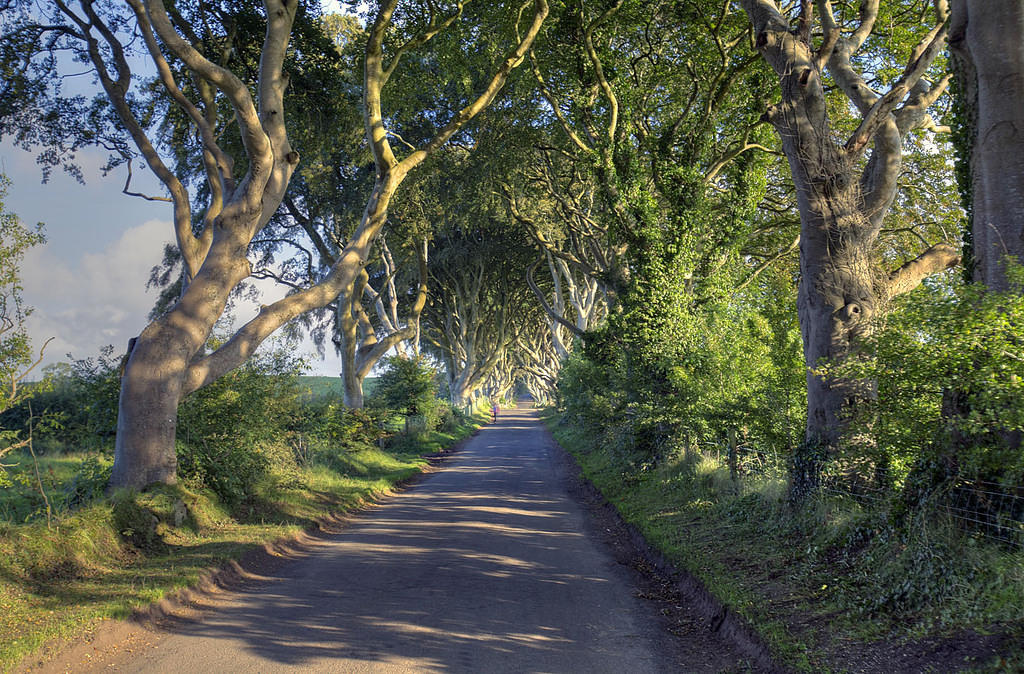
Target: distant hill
[(324, 387)]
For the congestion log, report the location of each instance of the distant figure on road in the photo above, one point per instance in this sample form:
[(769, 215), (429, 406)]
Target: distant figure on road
[(494, 412)]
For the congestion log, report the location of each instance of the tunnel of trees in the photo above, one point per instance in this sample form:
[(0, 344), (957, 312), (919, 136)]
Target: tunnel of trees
[(788, 235), (679, 221)]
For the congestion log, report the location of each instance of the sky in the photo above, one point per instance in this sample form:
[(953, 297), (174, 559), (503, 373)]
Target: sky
[(87, 283)]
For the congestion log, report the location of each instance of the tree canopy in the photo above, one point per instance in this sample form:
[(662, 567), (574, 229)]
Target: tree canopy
[(680, 221)]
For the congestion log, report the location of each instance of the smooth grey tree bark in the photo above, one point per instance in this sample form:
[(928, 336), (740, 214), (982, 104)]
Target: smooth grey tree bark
[(477, 309), (538, 363), (987, 43)]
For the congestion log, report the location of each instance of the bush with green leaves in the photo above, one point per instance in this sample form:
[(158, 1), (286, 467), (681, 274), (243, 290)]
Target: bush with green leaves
[(329, 431), (409, 387), (78, 400), (235, 432), (949, 367), (665, 374), (582, 394), (16, 354), (88, 483)]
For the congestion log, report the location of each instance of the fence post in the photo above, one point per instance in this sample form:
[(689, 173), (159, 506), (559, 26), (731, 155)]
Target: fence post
[(732, 459)]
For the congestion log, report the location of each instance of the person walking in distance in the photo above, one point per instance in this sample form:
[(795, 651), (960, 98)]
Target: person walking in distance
[(494, 412)]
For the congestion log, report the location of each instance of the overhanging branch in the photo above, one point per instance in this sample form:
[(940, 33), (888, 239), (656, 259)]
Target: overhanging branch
[(938, 258)]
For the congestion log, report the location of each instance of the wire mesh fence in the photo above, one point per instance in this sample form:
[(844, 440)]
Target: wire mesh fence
[(989, 510), (985, 509), (992, 510)]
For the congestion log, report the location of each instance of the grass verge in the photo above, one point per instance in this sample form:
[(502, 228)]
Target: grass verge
[(837, 587), (121, 553)]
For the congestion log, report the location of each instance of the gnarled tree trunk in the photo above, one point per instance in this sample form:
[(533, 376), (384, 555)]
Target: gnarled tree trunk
[(841, 284), (348, 346), (153, 382)]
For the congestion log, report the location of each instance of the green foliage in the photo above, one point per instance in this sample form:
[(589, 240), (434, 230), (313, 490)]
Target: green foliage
[(15, 347), (233, 433), (320, 388), (88, 483), (79, 401), (583, 395), (257, 427), (332, 431), (684, 359), (410, 387), (949, 366), (664, 373), (964, 127)]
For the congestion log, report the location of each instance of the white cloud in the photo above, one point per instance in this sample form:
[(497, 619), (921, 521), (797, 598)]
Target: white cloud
[(96, 299), (88, 283), (101, 298)]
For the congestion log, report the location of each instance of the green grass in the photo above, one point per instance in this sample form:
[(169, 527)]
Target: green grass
[(327, 387), (835, 576), (23, 501), (56, 581)]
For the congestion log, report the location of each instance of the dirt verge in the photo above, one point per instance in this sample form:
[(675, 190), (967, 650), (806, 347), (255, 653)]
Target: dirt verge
[(689, 610)]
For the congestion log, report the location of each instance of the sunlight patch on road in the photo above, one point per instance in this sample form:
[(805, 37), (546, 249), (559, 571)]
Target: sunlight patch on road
[(400, 529), (500, 510), (391, 550), (523, 638)]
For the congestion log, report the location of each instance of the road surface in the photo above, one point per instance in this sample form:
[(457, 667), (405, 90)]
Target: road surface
[(485, 566)]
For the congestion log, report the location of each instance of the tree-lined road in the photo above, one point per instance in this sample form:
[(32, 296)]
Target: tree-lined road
[(484, 566)]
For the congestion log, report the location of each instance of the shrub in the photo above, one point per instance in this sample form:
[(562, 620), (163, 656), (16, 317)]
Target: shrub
[(341, 428), (410, 388), (725, 370), (236, 431), (949, 366), (88, 483), (79, 401), (15, 348)]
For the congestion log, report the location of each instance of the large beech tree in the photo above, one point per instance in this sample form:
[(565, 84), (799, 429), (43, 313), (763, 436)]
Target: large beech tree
[(841, 198), (168, 359)]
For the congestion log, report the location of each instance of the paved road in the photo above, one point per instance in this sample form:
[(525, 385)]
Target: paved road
[(484, 566)]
